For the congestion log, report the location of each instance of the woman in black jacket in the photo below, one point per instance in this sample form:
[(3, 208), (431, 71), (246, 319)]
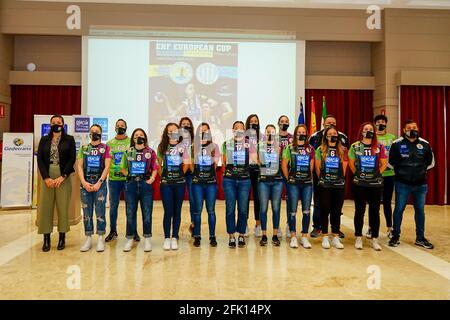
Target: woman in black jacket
[(56, 157)]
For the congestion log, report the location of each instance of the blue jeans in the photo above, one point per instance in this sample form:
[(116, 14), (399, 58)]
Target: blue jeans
[(205, 192), (236, 191), (89, 200), (139, 192), (288, 203), (115, 188), (270, 190), (189, 177), (419, 193), (172, 196), (304, 193)]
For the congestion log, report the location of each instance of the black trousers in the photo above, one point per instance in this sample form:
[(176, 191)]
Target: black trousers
[(372, 196), (331, 202), (254, 175), (388, 191)]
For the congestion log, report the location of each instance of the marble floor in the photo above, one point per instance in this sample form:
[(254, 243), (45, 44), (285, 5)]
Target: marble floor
[(406, 272)]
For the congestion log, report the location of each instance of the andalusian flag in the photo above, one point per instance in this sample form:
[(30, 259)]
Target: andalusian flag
[(301, 114), (312, 126), (324, 111)]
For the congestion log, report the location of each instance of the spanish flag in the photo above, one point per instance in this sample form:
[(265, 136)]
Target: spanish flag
[(312, 127)]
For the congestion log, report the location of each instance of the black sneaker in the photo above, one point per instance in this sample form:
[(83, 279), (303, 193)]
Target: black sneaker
[(424, 243), (263, 241), (394, 242), (136, 237), (212, 241), (197, 241), (232, 243), (241, 242), (191, 230), (275, 241), (111, 236), (341, 235), (316, 233)]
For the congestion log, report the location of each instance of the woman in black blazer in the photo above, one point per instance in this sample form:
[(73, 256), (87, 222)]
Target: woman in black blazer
[(56, 158)]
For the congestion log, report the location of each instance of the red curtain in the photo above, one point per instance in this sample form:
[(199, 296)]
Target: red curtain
[(425, 104), (350, 107), (28, 100), (447, 104)]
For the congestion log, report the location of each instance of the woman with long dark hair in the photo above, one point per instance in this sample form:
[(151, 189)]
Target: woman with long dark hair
[(187, 132), (173, 161), (331, 162), (252, 128), (298, 166), (236, 182), (56, 157), (367, 160), (140, 167), (205, 156)]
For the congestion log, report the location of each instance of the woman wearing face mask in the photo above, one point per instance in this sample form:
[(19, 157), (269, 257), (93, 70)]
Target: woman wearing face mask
[(116, 180), (56, 157), (367, 160), (285, 139), (236, 155), (94, 160), (331, 162), (205, 157), (298, 166), (173, 162), (254, 135), (270, 183), (187, 132), (140, 167)]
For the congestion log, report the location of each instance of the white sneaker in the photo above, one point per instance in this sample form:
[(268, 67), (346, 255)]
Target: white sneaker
[(294, 242), (375, 245), (337, 243), (288, 231), (279, 233), (246, 232), (128, 245), (305, 243), (359, 243), (258, 232), (148, 244), (101, 243), (87, 244), (326, 242), (166, 245), (174, 244)]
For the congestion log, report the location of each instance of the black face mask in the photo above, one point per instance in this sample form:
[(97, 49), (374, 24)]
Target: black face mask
[(186, 128), (333, 139), (206, 136), (96, 136), (301, 137), (56, 128), (176, 136), (381, 127), (255, 126), (369, 134), (120, 130), (140, 140), (270, 137), (412, 134), (239, 134), (284, 126)]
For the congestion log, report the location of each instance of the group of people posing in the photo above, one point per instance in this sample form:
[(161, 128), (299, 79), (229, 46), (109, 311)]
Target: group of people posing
[(311, 169)]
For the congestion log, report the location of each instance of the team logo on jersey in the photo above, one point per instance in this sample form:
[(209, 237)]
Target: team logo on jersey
[(419, 146), (102, 150), (246, 145), (147, 155)]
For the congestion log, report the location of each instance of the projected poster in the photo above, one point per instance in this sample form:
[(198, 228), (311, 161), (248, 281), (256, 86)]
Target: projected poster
[(195, 79)]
